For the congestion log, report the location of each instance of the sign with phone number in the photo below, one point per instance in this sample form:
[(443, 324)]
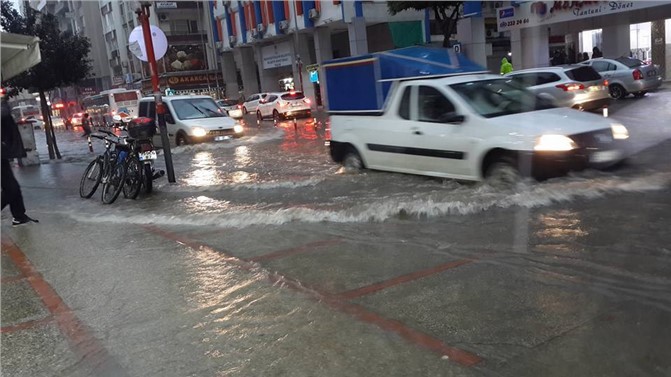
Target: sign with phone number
[(536, 13)]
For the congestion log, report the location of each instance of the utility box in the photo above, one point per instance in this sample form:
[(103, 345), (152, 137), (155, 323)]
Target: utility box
[(28, 137)]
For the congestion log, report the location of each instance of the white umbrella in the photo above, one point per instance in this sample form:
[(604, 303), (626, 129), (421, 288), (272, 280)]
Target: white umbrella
[(19, 53)]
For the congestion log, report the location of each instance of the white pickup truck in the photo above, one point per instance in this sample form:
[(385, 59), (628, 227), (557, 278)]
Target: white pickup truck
[(473, 127)]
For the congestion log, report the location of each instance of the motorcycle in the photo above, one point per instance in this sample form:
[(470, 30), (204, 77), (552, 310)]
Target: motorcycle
[(140, 170)]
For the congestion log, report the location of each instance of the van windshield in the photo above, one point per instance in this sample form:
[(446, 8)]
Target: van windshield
[(196, 108), (498, 97)]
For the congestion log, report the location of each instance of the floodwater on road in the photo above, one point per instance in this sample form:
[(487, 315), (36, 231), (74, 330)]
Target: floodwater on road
[(267, 259)]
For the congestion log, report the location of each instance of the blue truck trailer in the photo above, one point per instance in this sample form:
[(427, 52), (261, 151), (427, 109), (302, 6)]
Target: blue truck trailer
[(361, 84)]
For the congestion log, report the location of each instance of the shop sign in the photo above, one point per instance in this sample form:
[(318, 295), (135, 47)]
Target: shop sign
[(87, 90), (276, 55), (166, 5), (117, 80), (535, 13), (176, 81)]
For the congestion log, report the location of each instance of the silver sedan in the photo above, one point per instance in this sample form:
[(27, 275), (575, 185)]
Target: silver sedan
[(627, 76)]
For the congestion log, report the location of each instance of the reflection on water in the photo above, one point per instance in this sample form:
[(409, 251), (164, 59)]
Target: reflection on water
[(203, 173), (560, 231), (206, 205), (242, 157)]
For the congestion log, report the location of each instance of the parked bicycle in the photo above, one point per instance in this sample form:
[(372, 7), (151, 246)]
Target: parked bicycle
[(109, 169)]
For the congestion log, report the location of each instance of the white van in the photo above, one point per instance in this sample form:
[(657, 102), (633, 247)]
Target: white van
[(193, 119)]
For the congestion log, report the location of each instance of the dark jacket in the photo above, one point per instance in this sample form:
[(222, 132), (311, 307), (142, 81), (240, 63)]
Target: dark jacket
[(12, 144)]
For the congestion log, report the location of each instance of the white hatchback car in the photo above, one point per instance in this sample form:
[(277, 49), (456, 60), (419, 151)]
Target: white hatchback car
[(284, 105), (252, 103)]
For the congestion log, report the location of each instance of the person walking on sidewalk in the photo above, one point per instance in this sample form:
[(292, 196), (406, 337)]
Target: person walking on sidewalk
[(12, 147), (506, 67)]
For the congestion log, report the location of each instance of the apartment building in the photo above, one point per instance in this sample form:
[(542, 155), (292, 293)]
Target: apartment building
[(83, 17), (276, 45)]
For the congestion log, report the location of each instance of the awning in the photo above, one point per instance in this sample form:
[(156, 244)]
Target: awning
[(19, 53)]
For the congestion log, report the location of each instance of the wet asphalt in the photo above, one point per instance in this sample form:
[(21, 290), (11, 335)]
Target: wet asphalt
[(249, 268)]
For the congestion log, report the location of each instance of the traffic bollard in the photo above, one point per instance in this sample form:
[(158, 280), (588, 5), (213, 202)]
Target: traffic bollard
[(90, 144)]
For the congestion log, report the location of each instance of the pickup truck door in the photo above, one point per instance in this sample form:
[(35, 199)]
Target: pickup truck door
[(437, 139)]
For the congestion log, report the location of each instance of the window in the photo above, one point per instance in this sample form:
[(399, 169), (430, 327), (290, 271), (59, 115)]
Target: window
[(271, 98), (292, 96), (433, 106), (492, 98), (525, 79), (602, 66), (404, 108), (583, 74), (630, 62), (196, 108), (546, 78)]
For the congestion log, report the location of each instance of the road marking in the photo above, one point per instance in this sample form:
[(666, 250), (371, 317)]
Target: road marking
[(79, 336), (355, 293), (413, 336)]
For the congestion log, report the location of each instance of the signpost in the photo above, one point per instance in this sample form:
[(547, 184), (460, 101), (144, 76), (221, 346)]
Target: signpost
[(143, 16)]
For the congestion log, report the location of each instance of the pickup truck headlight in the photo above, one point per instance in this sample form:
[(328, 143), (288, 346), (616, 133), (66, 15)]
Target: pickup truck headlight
[(199, 132), (620, 132), (554, 143), (237, 129)]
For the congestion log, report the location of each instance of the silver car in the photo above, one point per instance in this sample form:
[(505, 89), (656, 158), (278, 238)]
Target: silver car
[(627, 76), (576, 86)]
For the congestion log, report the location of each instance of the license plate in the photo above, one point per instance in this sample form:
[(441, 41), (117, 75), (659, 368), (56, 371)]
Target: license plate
[(296, 104), (150, 155), (221, 138), (604, 156), (595, 88)]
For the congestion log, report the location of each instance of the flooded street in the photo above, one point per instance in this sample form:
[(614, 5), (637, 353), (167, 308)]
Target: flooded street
[(267, 259)]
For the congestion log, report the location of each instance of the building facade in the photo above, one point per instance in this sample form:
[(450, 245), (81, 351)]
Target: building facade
[(277, 45)]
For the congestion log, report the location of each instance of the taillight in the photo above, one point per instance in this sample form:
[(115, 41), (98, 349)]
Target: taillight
[(239, 106), (638, 75), (571, 87), (284, 104), (605, 82), (307, 100)]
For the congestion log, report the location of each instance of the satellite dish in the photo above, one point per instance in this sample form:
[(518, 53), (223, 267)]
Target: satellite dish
[(137, 45)]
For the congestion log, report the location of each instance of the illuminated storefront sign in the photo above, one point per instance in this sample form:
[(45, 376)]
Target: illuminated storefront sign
[(535, 13)]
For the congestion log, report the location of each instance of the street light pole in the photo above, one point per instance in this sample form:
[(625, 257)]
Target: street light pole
[(299, 63), (143, 16)]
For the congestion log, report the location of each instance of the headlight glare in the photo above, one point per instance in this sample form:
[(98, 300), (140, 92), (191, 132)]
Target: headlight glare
[(620, 132), (554, 143), (238, 129), (199, 132)]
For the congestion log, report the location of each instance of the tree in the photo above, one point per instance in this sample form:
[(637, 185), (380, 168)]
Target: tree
[(64, 59), (448, 24)]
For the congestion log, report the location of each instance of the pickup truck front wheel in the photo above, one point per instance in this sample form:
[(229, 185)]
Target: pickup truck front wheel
[(352, 160), (503, 174)]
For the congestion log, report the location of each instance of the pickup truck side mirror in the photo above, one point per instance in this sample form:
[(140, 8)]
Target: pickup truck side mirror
[(452, 118)]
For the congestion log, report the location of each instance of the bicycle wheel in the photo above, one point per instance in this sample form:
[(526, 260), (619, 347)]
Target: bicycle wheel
[(91, 179), (114, 184), (133, 181), (148, 179)]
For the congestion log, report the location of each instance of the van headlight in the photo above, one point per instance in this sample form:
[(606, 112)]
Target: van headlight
[(238, 129), (620, 132), (198, 131), (554, 143)]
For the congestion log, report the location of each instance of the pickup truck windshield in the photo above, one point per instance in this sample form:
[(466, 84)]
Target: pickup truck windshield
[(492, 98), (196, 108)]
